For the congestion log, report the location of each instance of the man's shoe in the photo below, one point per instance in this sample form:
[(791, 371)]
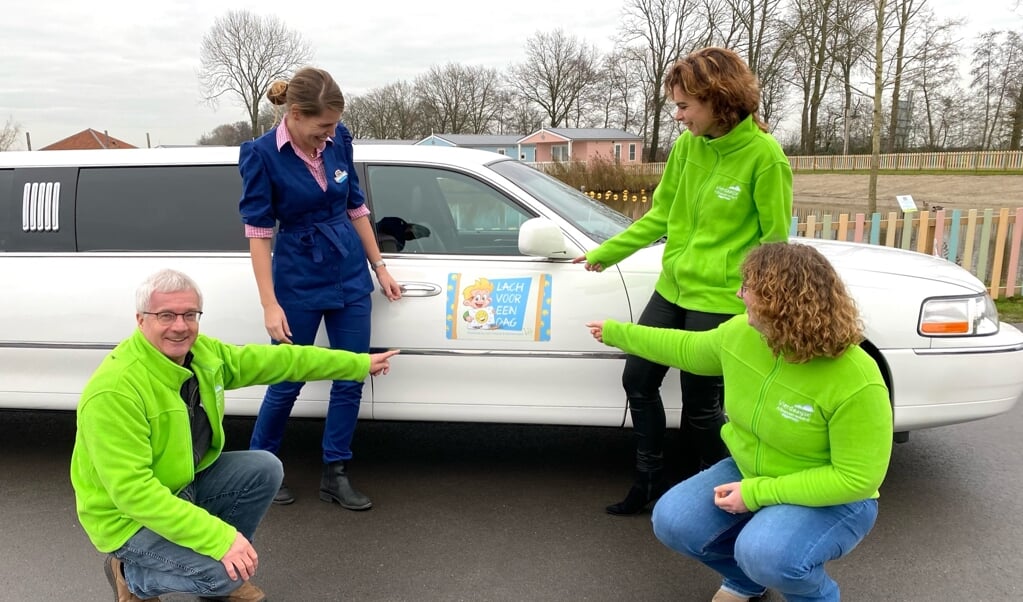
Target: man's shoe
[(115, 576), (724, 595), (284, 496), (335, 487), (246, 593)]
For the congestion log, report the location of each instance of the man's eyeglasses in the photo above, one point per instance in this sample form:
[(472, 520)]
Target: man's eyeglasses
[(169, 317)]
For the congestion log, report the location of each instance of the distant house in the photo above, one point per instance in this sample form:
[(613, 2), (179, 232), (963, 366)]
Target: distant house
[(87, 140), (503, 145), (582, 144)]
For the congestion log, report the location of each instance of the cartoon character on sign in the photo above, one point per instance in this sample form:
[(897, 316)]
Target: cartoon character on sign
[(479, 315)]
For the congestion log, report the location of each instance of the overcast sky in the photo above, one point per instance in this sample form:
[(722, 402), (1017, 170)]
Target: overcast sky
[(131, 68)]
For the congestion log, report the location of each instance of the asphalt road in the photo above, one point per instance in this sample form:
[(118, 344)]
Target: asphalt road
[(501, 512)]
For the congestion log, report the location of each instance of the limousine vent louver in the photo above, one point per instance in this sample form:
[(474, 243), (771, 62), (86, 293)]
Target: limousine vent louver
[(40, 207)]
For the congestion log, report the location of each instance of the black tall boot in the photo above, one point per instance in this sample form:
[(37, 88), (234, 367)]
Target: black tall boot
[(335, 487), (647, 488), (648, 433)]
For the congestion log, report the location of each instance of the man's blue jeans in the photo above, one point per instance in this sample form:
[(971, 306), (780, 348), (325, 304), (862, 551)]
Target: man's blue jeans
[(238, 488), (781, 547)]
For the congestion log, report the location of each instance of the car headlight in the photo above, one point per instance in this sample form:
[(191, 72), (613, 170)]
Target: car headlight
[(958, 316)]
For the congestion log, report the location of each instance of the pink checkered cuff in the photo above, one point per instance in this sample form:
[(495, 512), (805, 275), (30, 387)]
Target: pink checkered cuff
[(258, 232)]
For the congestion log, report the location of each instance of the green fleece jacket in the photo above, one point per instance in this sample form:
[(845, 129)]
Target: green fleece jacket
[(717, 199), (813, 434), (133, 448)]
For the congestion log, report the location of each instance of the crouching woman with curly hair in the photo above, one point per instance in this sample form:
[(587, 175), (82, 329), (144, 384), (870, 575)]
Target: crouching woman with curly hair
[(809, 430)]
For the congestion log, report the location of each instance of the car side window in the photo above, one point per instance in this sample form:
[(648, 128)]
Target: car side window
[(428, 210), (159, 208)]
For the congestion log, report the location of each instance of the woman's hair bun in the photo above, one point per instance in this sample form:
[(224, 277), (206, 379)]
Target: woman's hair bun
[(278, 92)]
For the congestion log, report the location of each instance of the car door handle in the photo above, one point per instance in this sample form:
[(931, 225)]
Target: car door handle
[(419, 289)]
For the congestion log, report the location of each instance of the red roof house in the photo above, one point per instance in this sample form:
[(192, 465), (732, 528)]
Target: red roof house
[(88, 139)]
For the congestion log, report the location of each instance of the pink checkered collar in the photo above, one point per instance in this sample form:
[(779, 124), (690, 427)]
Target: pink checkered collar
[(284, 137)]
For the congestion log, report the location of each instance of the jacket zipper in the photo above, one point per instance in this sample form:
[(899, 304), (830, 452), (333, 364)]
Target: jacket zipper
[(758, 410)]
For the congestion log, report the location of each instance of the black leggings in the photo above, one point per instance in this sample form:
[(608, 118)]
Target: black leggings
[(702, 414)]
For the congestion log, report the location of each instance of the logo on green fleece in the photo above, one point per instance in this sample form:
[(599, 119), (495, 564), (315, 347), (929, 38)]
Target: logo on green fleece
[(728, 193), (794, 411)]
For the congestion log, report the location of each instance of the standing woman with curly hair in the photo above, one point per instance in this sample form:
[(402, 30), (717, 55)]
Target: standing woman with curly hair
[(727, 187), (809, 430), (300, 177)]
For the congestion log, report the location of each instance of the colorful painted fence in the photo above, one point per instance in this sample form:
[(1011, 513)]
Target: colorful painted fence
[(987, 242)]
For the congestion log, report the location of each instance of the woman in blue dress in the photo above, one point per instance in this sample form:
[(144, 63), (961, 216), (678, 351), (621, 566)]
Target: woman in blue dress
[(300, 177)]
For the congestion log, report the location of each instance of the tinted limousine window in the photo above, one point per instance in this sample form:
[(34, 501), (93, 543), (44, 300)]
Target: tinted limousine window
[(165, 208)]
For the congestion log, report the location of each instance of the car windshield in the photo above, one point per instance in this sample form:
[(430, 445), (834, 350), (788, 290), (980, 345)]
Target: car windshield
[(594, 218)]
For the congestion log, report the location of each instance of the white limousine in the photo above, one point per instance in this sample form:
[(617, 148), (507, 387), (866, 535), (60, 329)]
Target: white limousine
[(80, 229)]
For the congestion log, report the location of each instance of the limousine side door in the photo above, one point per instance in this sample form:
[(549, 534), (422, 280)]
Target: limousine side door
[(76, 241), (486, 333)]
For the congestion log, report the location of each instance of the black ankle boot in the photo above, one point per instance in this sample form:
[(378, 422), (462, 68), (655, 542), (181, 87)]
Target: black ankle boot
[(647, 488), (335, 487)]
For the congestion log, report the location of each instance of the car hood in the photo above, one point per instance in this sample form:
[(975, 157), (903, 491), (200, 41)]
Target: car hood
[(863, 258), (851, 258)]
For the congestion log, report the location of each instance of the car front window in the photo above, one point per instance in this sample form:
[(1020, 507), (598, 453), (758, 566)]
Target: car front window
[(429, 210), (594, 218)]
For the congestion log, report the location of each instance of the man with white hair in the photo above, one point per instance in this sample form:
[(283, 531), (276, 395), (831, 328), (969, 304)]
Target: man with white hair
[(153, 487)]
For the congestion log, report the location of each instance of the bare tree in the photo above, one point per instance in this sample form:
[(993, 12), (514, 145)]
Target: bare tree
[(9, 134), (995, 85), (937, 56), (402, 107), (557, 71), (880, 16), (459, 99), (762, 38), (850, 41), (389, 113), (616, 95), (951, 125), (757, 32), (987, 85), (485, 96), (242, 54), (1016, 131), (905, 14), (519, 117), (228, 134), (233, 134), (358, 113), (725, 29), (660, 30), (810, 27)]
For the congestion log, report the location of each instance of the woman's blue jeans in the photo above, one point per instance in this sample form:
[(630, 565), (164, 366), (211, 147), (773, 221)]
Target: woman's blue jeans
[(347, 328), (781, 547), (238, 488)]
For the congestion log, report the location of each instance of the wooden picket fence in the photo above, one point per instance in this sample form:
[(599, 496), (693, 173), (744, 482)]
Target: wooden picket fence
[(988, 243), (968, 161), (951, 162)]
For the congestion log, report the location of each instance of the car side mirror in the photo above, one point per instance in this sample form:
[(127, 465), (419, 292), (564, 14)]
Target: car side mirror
[(540, 237)]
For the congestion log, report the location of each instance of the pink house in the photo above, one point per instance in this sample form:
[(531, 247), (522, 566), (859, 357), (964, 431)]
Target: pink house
[(582, 144)]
